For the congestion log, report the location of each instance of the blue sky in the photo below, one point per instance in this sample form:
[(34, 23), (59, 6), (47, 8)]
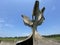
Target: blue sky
[(11, 23)]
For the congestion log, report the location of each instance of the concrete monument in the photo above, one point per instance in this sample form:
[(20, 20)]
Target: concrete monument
[(37, 19)]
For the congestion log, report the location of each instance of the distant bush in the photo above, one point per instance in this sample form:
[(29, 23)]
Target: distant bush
[(56, 35)]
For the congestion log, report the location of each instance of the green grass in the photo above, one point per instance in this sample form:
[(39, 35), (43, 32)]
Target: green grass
[(11, 39), (54, 37)]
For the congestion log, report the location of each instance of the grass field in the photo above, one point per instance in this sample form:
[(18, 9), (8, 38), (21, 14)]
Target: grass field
[(53, 37), (12, 38), (56, 37)]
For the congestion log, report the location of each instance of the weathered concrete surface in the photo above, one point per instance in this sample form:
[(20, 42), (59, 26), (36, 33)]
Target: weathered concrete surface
[(7, 43), (39, 40), (27, 41)]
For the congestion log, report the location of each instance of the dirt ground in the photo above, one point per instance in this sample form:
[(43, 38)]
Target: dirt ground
[(7, 43)]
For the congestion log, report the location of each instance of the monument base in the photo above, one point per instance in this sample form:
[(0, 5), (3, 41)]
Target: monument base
[(27, 41), (38, 40)]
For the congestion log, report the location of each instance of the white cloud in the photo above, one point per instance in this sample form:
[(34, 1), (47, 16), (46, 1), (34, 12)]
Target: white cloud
[(4, 24), (1, 23), (9, 25), (2, 20), (1, 26)]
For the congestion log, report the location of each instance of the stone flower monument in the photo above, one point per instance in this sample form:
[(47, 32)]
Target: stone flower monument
[(37, 19)]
